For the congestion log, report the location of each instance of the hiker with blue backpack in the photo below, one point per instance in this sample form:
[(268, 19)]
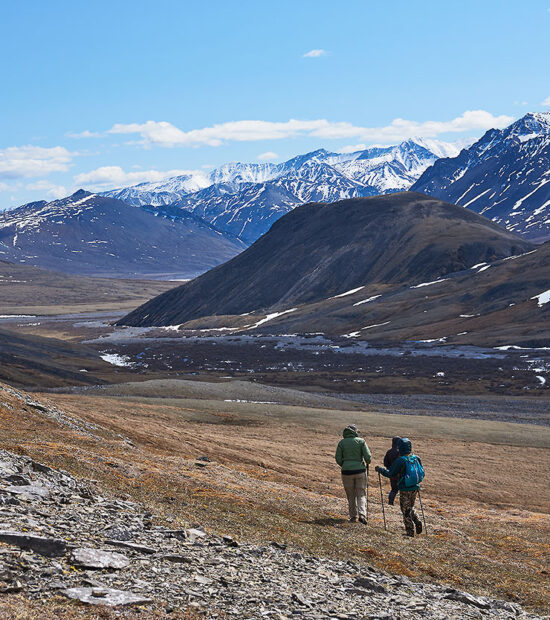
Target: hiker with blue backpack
[(409, 471)]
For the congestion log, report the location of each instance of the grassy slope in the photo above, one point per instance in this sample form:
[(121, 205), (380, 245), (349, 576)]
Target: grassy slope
[(273, 478)]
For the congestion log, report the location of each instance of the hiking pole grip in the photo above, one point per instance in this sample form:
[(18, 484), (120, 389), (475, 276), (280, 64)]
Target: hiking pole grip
[(422, 510), (382, 500)]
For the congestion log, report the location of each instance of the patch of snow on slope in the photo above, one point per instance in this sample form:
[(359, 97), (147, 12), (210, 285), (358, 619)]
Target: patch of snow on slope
[(542, 298), (353, 290), (429, 283), (366, 301), (270, 317)]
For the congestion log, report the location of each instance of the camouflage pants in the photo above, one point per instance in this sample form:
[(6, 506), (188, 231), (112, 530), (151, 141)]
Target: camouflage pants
[(406, 503)]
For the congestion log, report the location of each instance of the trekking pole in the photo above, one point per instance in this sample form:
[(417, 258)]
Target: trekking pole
[(382, 500), (367, 493), (423, 516)]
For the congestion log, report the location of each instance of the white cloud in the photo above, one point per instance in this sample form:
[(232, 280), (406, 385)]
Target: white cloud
[(83, 134), (162, 133), (546, 102), (52, 190), (4, 187), (108, 177), (314, 54), (33, 161), (522, 103), (352, 148), (270, 155)]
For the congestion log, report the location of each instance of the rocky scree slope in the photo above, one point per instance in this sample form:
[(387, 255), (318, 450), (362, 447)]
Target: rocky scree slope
[(246, 199), (89, 234), (61, 536), (318, 251), (505, 176)]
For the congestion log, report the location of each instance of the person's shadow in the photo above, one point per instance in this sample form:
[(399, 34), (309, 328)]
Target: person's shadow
[(328, 521)]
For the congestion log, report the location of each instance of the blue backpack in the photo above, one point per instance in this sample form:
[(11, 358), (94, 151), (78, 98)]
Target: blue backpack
[(414, 471)]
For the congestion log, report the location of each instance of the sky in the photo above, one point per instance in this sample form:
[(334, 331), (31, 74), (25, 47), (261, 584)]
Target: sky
[(104, 94)]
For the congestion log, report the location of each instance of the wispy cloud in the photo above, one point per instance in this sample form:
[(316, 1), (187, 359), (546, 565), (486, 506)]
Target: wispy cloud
[(108, 177), (269, 156), (163, 133), (84, 134), (546, 102), (51, 189), (33, 161), (314, 54), (352, 148)]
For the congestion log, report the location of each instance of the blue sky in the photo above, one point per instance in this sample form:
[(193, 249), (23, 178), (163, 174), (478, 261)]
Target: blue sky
[(107, 93)]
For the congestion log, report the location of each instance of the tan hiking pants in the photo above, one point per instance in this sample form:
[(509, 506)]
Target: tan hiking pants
[(355, 486)]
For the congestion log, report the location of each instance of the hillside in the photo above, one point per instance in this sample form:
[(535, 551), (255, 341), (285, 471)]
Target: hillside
[(92, 235), (276, 537), (498, 304), (505, 176), (318, 251)]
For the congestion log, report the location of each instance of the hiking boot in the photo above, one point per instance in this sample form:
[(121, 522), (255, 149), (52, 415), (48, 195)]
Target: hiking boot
[(353, 519), (411, 534), (418, 526), (362, 520)]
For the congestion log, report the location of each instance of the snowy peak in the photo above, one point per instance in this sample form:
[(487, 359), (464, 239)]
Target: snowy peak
[(244, 199), (505, 176)]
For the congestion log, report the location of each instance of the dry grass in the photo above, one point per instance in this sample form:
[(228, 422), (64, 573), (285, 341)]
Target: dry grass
[(273, 478)]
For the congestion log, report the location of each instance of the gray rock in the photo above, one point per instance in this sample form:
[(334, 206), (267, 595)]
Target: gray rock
[(50, 547), (132, 546), (464, 597), (30, 491), (96, 558), (370, 584), (105, 596), (17, 479)]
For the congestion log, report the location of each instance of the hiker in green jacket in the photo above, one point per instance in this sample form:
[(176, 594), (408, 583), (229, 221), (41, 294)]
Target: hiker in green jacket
[(407, 490), (353, 456)]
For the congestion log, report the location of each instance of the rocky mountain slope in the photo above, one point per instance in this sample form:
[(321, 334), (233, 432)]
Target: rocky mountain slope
[(320, 251), (93, 235), (246, 199), (505, 176), (117, 557)]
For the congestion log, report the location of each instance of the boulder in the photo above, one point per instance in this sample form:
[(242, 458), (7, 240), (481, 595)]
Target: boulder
[(96, 558), (105, 596), (50, 547)]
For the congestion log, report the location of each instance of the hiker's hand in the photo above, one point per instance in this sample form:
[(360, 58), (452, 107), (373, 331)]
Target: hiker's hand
[(377, 468)]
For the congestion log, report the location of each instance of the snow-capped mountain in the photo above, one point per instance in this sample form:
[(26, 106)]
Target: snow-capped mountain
[(95, 235), (505, 176), (245, 199)]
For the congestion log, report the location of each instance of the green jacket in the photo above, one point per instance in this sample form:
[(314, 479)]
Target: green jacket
[(352, 453)]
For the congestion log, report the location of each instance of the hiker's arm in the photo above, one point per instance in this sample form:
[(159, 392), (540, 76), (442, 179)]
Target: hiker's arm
[(339, 456), (393, 471), (365, 452)]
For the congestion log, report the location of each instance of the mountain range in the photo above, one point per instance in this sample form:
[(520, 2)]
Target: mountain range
[(96, 235), (325, 252), (505, 176), (245, 199)]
